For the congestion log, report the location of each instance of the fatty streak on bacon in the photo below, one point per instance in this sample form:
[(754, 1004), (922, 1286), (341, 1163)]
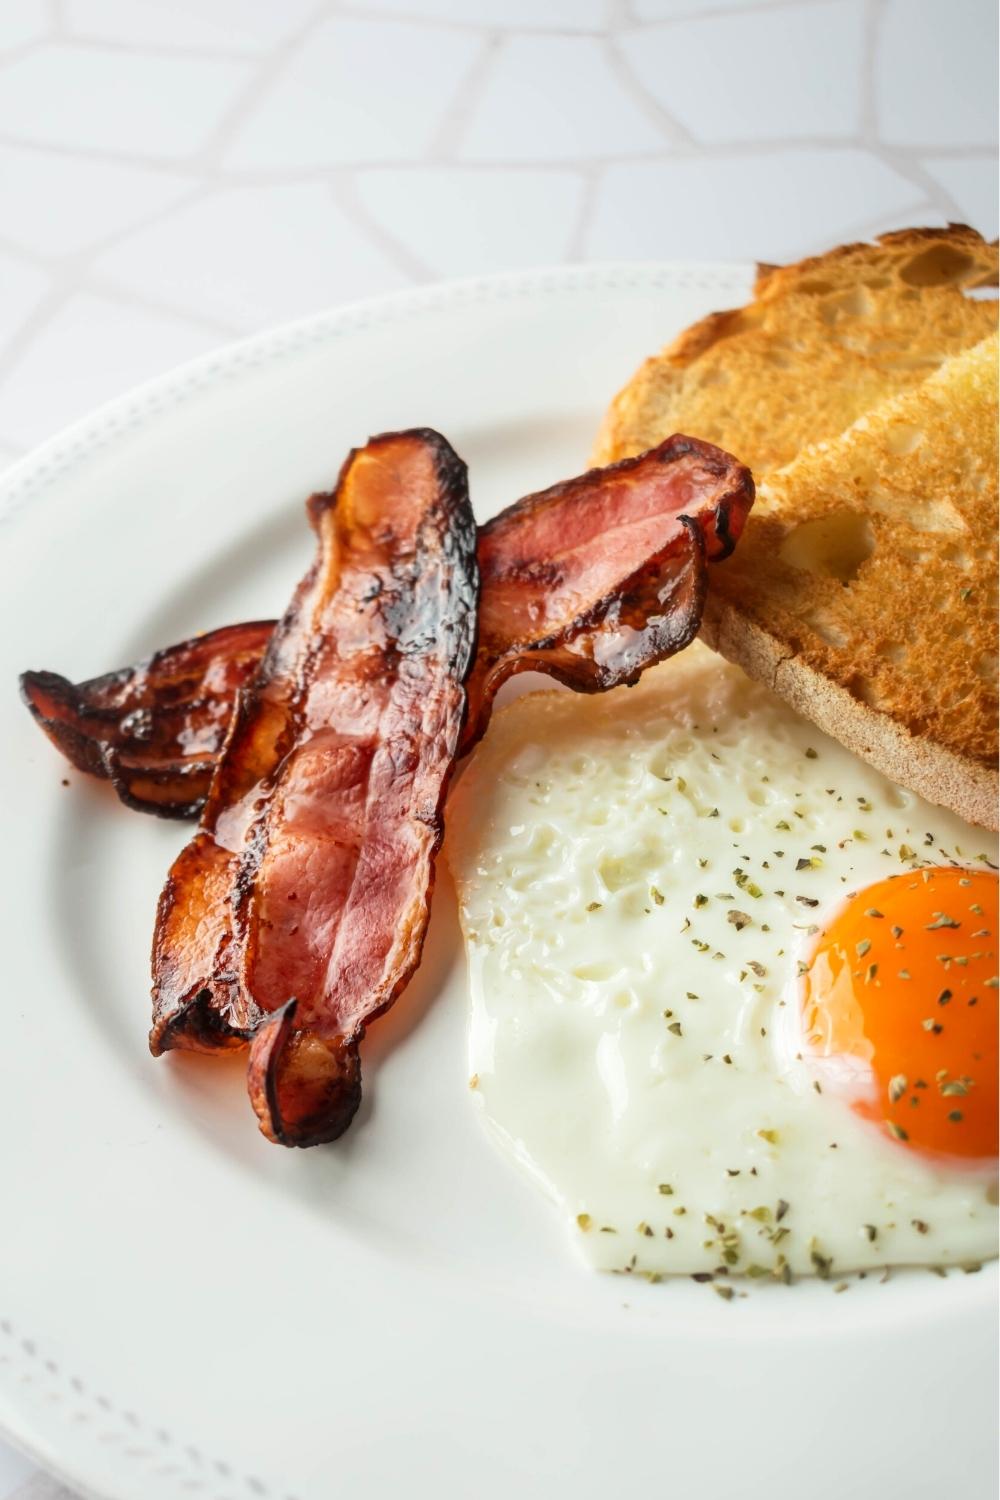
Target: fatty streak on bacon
[(325, 814), (154, 730), (590, 581)]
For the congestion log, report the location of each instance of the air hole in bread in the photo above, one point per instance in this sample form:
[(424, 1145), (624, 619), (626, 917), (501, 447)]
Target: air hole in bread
[(940, 265), (835, 544), (903, 438), (827, 629), (864, 690), (856, 302), (988, 667)]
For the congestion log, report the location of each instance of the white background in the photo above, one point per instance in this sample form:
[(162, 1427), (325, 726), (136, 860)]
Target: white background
[(176, 173)]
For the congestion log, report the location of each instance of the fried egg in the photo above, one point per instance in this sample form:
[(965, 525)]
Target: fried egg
[(733, 994)]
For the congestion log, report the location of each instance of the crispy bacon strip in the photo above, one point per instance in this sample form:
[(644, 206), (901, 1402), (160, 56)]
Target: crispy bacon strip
[(154, 730), (590, 581), (298, 911), (595, 579)]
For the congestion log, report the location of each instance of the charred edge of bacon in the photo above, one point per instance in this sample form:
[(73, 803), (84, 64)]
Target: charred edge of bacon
[(171, 789), (121, 726), (196, 1026), (54, 704), (305, 1090)]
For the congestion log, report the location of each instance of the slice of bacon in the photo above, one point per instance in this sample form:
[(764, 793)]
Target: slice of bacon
[(595, 579), (154, 730), (298, 911), (590, 581)]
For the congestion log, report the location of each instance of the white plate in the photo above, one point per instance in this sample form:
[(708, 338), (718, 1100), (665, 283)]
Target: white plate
[(190, 1311)]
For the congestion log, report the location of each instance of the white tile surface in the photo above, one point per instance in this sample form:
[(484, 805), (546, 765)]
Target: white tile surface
[(253, 256), (22, 21), (556, 98), (806, 78), (709, 207), (561, 15), (464, 221), (22, 288), (972, 183), (173, 170), (936, 72), (129, 104), (58, 204), (357, 91), (660, 10), (240, 25), (92, 349)]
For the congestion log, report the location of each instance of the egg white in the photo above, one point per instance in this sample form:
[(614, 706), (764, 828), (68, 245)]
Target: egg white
[(631, 1040)]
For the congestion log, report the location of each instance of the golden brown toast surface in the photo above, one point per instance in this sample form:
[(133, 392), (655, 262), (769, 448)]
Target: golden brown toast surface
[(870, 564), (861, 389), (821, 343)]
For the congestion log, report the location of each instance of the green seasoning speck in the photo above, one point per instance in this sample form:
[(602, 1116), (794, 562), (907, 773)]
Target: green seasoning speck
[(821, 1263), (666, 1189), (812, 754), (873, 911), (897, 1087), (657, 895), (701, 900), (931, 1025), (739, 919), (584, 1221), (725, 1292), (594, 906), (896, 1131), (863, 947), (675, 1028), (771, 1136)]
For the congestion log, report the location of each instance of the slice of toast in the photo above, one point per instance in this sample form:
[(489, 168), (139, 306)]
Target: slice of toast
[(864, 588), (821, 343)]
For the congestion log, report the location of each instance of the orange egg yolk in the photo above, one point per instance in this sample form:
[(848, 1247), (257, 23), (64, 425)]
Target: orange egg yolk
[(902, 988)]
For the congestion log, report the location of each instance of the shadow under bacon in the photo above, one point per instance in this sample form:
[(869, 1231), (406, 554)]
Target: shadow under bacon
[(296, 914)]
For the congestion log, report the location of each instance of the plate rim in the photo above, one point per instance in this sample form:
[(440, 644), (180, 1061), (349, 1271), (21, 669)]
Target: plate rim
[(28, 476)]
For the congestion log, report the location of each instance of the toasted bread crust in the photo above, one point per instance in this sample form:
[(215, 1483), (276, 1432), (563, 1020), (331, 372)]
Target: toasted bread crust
[(968, 787), (892, 653)]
